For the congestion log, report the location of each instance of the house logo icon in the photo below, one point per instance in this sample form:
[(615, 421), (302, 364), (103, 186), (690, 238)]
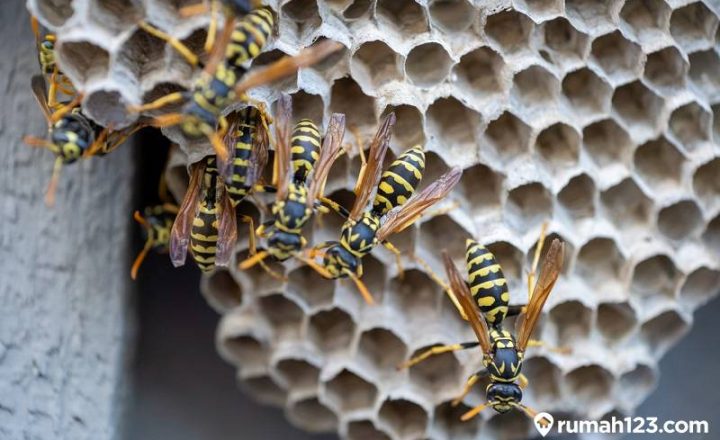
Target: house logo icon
[(543, 422)]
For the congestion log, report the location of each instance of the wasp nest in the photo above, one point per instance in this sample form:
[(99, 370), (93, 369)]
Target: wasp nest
[(603, 117)]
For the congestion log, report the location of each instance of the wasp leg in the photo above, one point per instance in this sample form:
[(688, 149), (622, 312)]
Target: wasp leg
[(334, 206), (440, 282), (522, 381), (176, 44), (559, 350), (471, 381), (158, 103), (65, 109), (435, 351), (536, 260), (515, 310), (398, 257)]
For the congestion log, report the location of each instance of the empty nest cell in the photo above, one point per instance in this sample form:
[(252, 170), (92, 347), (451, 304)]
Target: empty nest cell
[(348, 98), (559, 146), (693, 26), (646, 17), (108, 107), (700, 285), (382, 349), (442, 232), (245, 350), (600, 262), (437, 374), (481, 187), (408, 130), (283, 313), (374, 275), (304, 13), (447, 423), (510, 29), (707, 184), (264, 389), (404, 418), (591, 386), (704, 66), (222, 289), (541, 8), (615, 321), (83, 61), (661, 332), (607, 143), (528, 206), (627, 205), (56, 12), (587, 92), (116, 15), (637, 105), (535, 86), (406, 17), (592, 14), (307, 106), (349, 392), (303, 282), (655, 277), (298, 373), (618, 57), (544, 378), (428, 64), (578, 197), (365, 430), (415, 294), (312, 415), (510, 259), (480, 72), (452, 125), (690, 124), (141, 54), (681, 220), (452, 15), (573, 321), (376, 64), (357, 9), (564, 41), (331, 330), (513, 425), (659, 164), (508, 137), (636, 384), (666, 69)]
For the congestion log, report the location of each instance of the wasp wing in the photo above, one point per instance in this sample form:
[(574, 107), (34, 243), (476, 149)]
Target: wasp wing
[(405, 215), (180, 232), (225, 166), (372, 170), (548, 276), (281, 169), (331, 147), (462, 292), (39, 89), (259, 155), (227, 229)]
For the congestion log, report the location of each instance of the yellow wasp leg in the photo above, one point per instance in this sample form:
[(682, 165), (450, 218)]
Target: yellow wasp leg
[(440, 282), (398, 257), (523, 381), (176, 44), (158, 103), (471, 381), (434, 351)]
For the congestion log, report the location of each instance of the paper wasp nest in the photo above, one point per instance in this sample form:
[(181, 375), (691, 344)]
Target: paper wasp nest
[(601, 116)]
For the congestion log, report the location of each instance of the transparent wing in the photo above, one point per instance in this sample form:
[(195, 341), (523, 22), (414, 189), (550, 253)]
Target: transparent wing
[(259, 156), (227, 230), (331, 147), (39, 90), (405, 215), (225, 166), (180, 233), (548, 276), (462, 292), (282, 146), (372, 171)]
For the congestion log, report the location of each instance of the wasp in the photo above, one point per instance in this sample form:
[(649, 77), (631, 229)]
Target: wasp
[(233, 8), (394, 207), (301, 166), (46, 57), (503, 353), (157, 222)]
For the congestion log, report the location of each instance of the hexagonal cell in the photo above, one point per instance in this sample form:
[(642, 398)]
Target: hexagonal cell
[(693, 26), (331, 330), (573, 322), (587, 92), (222, 289), (578, 197), (615, 320), (56, 12), (564, 41), (701, 285), (661, 332), (142, 53), (480, 72), (365, 430), (481, 187), (617, 56), (535, 86), (436, 374), (303, 281), (375, 64), (446, 420), (703, 72), (666, 68), (107, 106), (636, 384), (711, 236), (304, 13), (690, 124), (264, 390), (116, 15), (452, 125), (82, 61), (428, 64), (265, 59), (528, 206), (374, 276), (541, 8), (382, 349), (707, 185), (350, 392), (244, 350), (307, 106), (659, 164), (311, 415), (508, 136), (510, 29), (357, 9), (637, 105), (590, 385), (607, 143), (646, 17), (298, 373), (559, 146), (680, 220), (284, 315), (406, 17), (655, 276), (452, 15), (514, 425), (348, 98), (415, 294), (405, 418), (591, 13), (543, 378), (600, 261), (627, 205), (510, 259), (159, 90), (408, 129), (442, 232)]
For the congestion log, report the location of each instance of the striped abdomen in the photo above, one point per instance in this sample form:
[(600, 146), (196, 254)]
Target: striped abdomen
[(305, 149), (249, 36), (400, 181), (238, 187), (204, 231), (487, 283), (210, 96)]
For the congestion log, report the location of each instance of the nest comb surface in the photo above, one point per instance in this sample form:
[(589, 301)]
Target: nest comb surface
[(603, 117)]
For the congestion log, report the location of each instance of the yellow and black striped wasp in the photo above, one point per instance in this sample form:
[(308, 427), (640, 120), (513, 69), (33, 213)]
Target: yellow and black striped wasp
[(57, 81), (394, 207), (233, 8), (503, 353), (298, 157), (157, 222)]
